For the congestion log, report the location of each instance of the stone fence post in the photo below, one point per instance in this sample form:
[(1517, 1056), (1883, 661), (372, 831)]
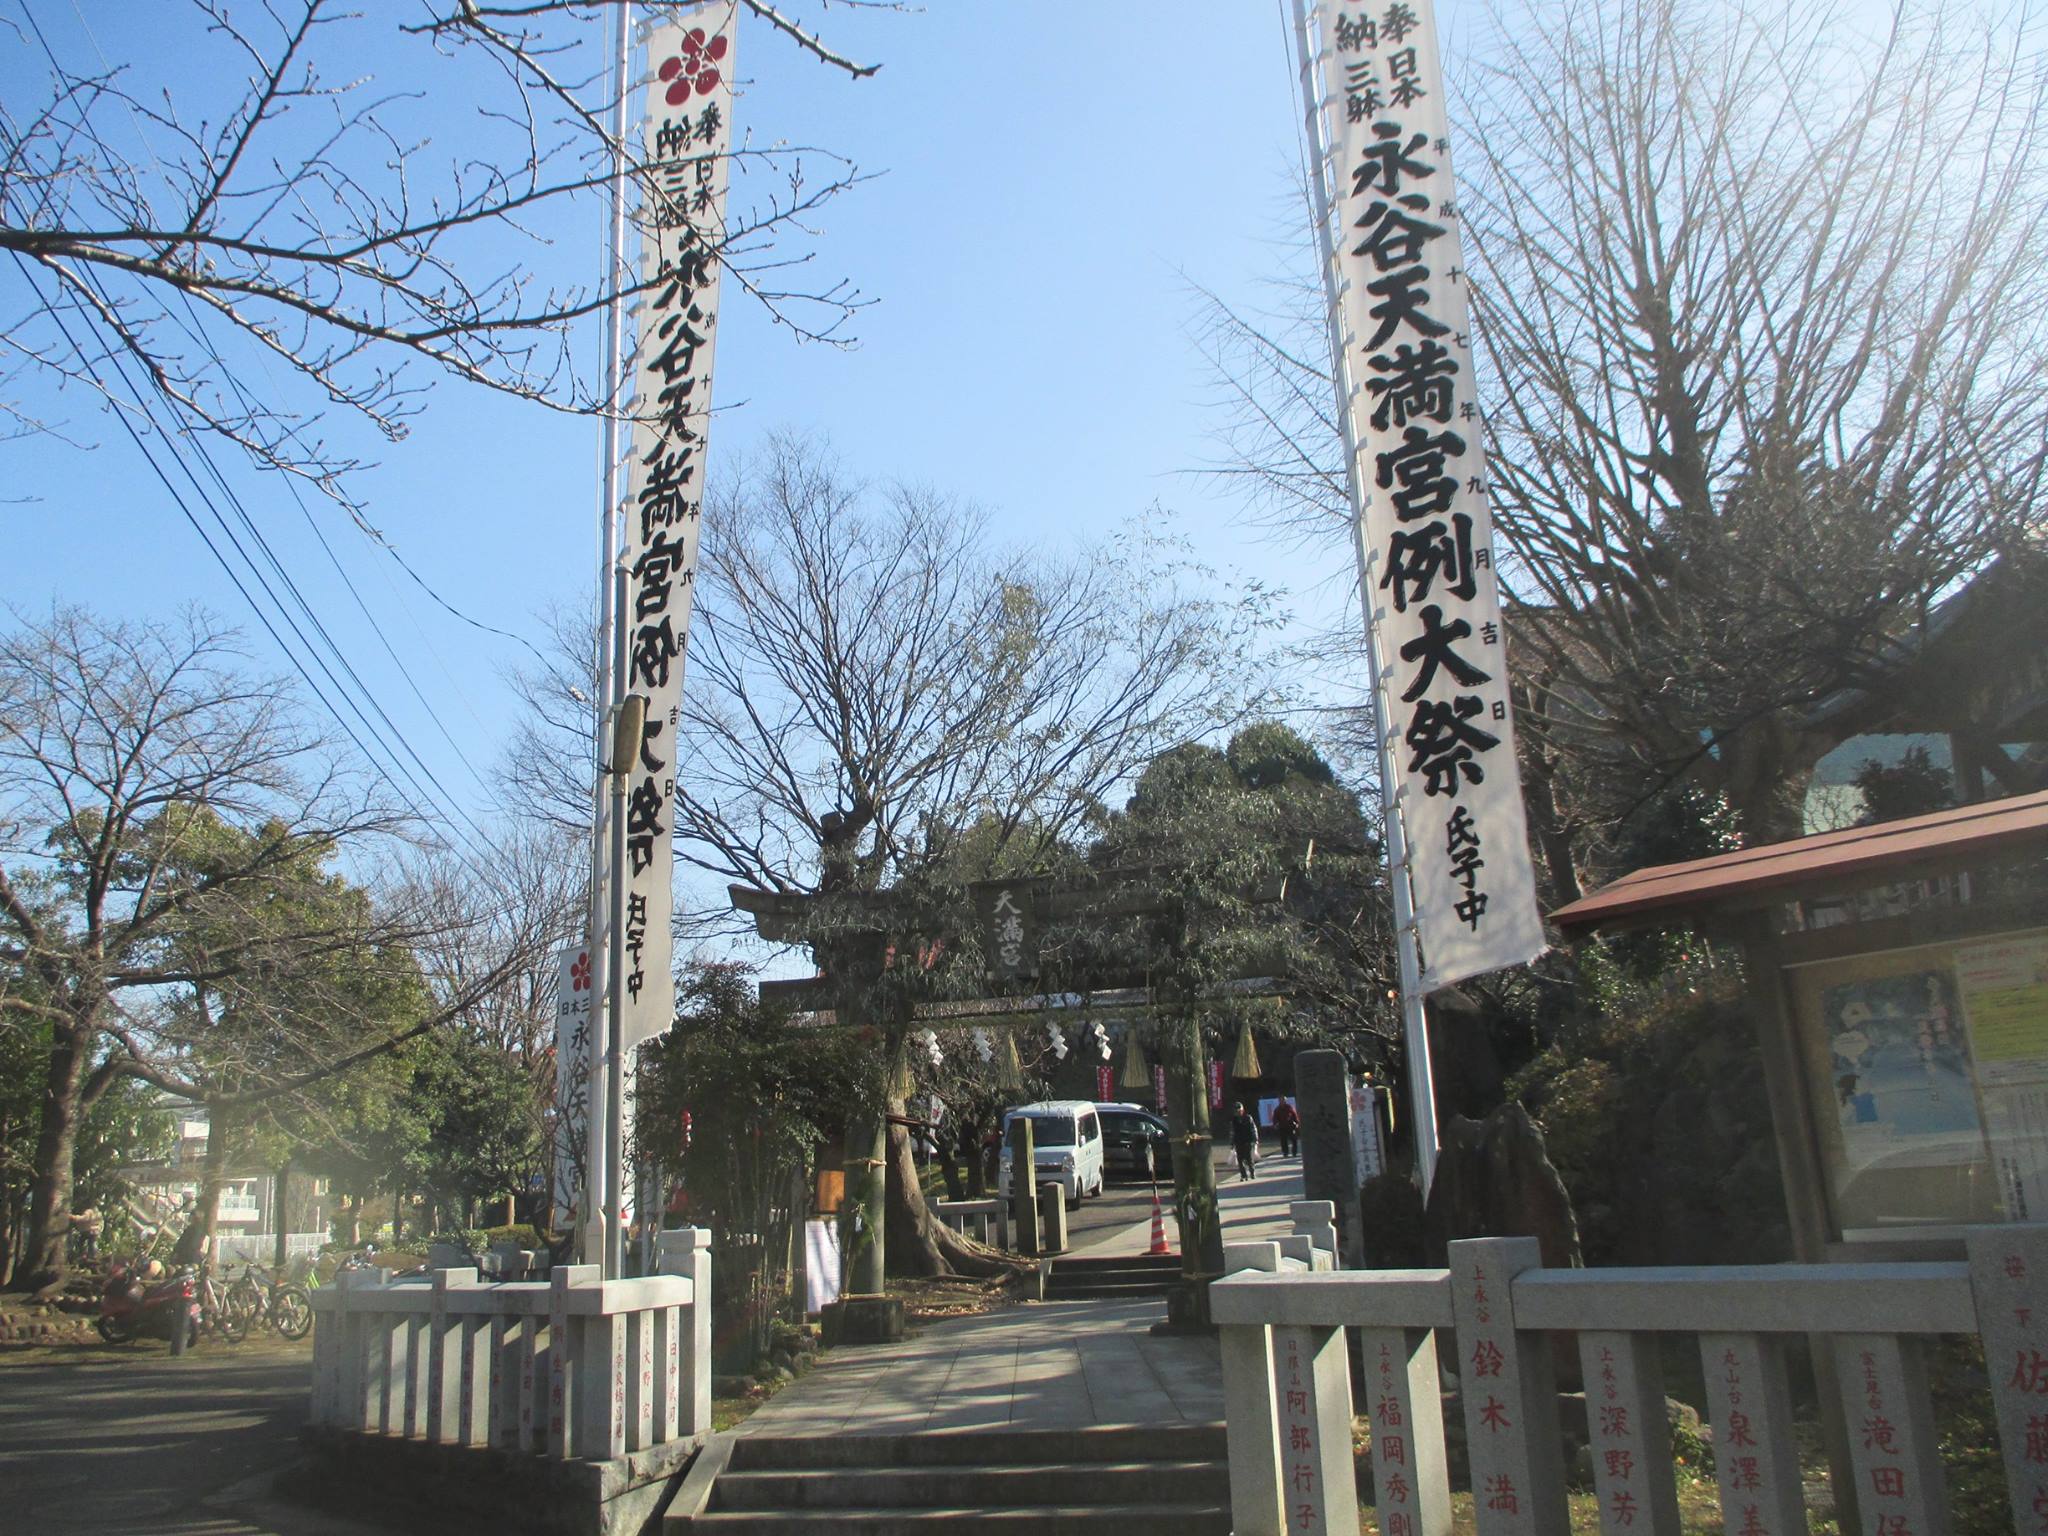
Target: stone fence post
[(1251, 1407), (687, 1251), (1509, 1391)]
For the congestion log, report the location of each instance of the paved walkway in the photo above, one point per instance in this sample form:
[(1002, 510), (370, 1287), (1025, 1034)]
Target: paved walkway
[(1251, 1212), (1037, 1367), (1046, 1365), (1043, 1365)]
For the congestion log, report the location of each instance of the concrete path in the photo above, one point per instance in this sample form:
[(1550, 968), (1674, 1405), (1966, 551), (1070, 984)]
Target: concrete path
[(1251, 1212), (130, 1440), (1045, 1365)]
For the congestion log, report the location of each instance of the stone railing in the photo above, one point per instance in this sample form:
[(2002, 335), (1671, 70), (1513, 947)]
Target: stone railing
[(1287, 1385), (576, 1366), (986, 1221)]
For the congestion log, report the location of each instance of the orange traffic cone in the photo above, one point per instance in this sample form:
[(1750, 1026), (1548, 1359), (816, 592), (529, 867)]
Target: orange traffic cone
[(1158, 1229)]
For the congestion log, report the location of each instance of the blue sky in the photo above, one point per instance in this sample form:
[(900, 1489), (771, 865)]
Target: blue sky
[(1053, 178)]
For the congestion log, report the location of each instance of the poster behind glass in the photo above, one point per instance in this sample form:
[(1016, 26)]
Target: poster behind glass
[(1929, 1068)]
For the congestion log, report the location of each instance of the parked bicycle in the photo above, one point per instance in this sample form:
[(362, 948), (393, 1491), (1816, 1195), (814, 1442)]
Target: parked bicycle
[(262, 1297), (220, 1312)]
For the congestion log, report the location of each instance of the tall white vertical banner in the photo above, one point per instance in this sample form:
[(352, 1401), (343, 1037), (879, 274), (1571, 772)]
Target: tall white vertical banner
[(575, 1018), (1426, 529), (687, 134)]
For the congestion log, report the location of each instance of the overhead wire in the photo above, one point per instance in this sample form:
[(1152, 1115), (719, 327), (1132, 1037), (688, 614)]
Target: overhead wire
[(121, 414), (196, 333), (374, 535), (446, 805)]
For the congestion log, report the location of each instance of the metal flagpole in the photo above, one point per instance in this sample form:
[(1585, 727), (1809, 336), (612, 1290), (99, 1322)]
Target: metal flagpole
[(598, 1240), (1414, 1021)]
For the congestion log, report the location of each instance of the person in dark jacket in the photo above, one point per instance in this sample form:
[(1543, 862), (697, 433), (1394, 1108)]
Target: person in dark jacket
[(1244, 1140), (1287, 1126)]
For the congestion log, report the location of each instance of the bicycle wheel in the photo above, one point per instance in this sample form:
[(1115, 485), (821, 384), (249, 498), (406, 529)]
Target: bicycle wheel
[(228, 1314), (291, 1311)]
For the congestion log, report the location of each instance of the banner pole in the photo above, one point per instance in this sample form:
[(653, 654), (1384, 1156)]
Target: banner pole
[(602, 1156), (1414, 1020)]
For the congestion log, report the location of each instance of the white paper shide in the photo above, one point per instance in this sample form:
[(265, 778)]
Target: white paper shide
[(1421, 477)]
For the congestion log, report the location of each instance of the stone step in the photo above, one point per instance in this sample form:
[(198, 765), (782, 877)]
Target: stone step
[(1036, 1519), (1092, 1443), (982, 1487), (1113, 1263), (1100, 1284)]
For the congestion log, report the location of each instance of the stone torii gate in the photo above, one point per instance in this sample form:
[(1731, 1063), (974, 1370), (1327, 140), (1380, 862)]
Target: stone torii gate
[(855, 935)]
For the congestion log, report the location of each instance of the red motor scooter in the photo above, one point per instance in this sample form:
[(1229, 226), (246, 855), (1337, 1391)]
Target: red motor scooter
[(134, 1303)]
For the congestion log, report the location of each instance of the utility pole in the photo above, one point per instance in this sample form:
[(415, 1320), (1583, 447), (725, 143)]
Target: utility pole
[(598, 1241)]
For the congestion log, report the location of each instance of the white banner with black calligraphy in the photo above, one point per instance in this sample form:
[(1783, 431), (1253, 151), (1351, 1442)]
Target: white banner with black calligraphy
[(574, 1020), (1421, 476), (688, 133)]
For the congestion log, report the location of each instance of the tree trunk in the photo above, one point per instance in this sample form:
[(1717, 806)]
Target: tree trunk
[(195, 1243), (1194, 1159), (919, 1243), (1765, 769), (862, 1234), (43, 1262), (949, 1170), (9, 1226), (280, 1217)]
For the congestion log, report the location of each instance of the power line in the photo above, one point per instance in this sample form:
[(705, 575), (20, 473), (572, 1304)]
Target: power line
[(255, 607), (446, 803), (196, 332)]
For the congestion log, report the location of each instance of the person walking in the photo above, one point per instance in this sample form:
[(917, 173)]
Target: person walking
[(1244, 1140), (1287, 1125)]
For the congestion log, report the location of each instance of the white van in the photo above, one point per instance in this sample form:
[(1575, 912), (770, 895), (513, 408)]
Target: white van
[(1066, 1142)]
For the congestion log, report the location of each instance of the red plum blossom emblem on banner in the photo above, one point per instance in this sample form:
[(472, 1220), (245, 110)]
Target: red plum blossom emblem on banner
[(695, 68), (579, 974)]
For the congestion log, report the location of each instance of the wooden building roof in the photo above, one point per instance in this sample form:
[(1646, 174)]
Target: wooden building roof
[(1862, 856)]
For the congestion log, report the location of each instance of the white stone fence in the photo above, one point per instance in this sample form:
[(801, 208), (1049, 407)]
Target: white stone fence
[(575, 1366), (986, 1221), (1287, 1385)]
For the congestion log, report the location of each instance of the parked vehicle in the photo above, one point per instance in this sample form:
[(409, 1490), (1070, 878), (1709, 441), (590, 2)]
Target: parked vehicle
[(1135, 1141), (1066, 1146), (141, 1299)]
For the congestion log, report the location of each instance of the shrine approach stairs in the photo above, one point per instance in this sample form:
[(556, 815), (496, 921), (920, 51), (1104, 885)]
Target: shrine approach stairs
[(1117, 1480)]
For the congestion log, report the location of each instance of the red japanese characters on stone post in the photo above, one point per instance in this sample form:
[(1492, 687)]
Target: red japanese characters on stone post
[(2008, 1266), (1754, 1458), (1302, 1496), (1509, 1392), (1632, 1471)]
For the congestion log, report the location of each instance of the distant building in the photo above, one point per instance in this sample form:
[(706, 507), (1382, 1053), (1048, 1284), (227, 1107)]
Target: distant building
[(1969, 687), (166, 1188)]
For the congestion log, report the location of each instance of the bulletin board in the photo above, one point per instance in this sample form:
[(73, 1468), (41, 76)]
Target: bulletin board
[(1927, 1069)]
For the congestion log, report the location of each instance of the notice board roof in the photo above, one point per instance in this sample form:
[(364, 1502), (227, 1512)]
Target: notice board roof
[(1755, 877)]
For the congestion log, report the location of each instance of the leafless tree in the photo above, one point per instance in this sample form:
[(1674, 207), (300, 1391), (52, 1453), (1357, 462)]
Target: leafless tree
[(166, 909), (870, 677), (869, 673), (547, 774), (250, 197), (530, 902), (1759, 303)]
